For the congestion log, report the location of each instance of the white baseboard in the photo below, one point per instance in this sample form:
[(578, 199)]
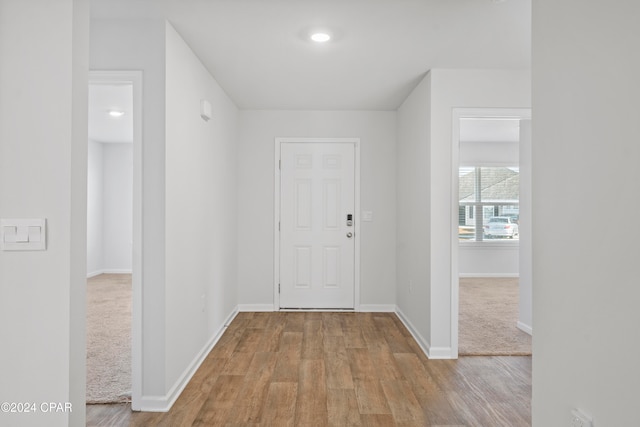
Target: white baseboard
[(255, 307), (377, 308), (430, 352), (440, 353), (422, 342), (164, 403), (525, 328), (108, 271), (370, 308), (154, 404), (483, 275)]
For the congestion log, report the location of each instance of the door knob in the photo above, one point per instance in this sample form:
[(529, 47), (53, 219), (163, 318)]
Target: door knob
[(349, 234)]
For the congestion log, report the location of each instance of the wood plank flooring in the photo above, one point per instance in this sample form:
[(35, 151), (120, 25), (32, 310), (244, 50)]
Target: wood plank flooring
[(337, 369)]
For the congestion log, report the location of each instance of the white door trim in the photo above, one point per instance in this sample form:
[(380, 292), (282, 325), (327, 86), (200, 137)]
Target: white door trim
[(276, 214), (459, 113), (135, 79)]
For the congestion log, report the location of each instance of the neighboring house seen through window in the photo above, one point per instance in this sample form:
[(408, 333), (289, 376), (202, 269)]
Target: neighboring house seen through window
[(488, 203)]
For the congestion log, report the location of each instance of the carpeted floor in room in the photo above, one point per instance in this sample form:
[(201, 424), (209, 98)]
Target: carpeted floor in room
[(109, 338), (488, 315)]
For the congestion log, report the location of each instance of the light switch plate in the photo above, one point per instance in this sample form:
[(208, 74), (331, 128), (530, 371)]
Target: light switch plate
[(23, 234), (367, 216)]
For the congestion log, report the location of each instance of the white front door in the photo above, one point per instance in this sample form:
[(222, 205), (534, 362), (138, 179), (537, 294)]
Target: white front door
[(317, 225)]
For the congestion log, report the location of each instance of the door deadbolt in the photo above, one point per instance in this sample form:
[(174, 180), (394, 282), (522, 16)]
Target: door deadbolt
[(349, 220)]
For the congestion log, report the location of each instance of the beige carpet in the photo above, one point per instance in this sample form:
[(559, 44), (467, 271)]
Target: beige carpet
[(109, 338), (487, 318)]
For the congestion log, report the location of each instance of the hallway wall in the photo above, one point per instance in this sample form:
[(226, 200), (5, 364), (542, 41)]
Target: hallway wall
[(258, 129), (140, 45), (43, 162), (189, 202), (585, 156), (425, 137), (200, 208)]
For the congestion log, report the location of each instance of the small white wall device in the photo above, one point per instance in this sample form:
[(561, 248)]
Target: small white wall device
[(205, 110), (580, 419), (23, 234)]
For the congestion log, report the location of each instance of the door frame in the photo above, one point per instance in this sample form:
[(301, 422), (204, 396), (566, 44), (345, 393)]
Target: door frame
[(276, 214), (134, 78), (457, 114)]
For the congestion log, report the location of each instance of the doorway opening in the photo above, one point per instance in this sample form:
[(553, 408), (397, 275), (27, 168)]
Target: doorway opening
[(491, 204), (114, 243)]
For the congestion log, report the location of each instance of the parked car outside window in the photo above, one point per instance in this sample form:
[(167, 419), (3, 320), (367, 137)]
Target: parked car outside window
[(501, 226)]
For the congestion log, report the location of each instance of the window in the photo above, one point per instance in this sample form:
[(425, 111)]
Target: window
[(488, 203)]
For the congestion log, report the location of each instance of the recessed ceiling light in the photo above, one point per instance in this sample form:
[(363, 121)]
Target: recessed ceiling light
[(116, 113), (320, 37)]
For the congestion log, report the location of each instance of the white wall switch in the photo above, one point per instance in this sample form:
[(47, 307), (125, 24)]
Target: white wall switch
[(9, 234), (23, 234), (367, 216), (34, 233)]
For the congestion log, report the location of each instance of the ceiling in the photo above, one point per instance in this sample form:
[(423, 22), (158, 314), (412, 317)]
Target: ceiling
[(259, 51), (102, 126), (489, 130)]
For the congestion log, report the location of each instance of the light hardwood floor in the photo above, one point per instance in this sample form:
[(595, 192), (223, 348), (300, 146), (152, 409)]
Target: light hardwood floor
[(337, 369)]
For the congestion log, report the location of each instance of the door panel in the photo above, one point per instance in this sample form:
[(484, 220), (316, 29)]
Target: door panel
[(302, 267), (331, 267), (302, 204), (317, 255)]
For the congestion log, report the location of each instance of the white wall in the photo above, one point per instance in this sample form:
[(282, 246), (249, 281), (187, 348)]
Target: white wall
[(189, 202), (130, 44), (201, 203), (95, 209), (489, 259), (118, 207), (450, 89), (376, 130), (525, 283), (431, 106), (585, 154), (43, 161), (109, 208), (413, 287)]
